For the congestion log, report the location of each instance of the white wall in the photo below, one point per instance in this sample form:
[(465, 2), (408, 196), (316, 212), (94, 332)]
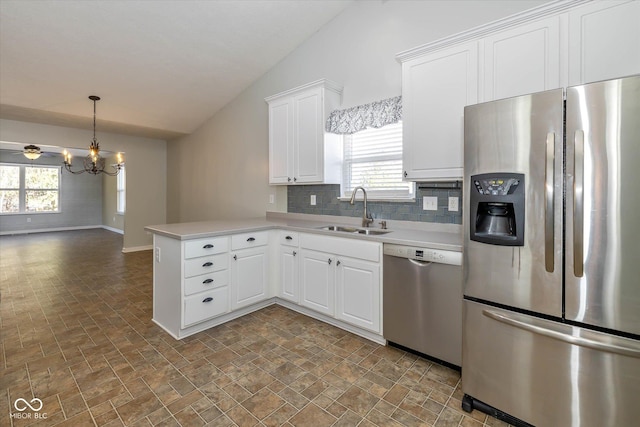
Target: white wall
[(110, 217), (221, 170), (146, 161)]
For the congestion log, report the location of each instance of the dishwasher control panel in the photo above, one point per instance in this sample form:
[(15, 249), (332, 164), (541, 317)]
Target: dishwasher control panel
[(423, 254)]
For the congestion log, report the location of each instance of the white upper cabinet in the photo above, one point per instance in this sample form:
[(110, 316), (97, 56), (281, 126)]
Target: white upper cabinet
[(521, 60), (300, 152), (551, 46), (604, 41), (435, 89)]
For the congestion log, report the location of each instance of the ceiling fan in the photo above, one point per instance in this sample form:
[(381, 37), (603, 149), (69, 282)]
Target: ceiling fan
[(33, 152)]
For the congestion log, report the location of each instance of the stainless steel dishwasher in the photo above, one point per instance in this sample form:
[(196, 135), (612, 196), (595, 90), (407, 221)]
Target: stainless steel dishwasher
[(422, 301)]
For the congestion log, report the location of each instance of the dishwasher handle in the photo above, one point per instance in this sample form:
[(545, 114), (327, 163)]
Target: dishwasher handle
[(420, 263)]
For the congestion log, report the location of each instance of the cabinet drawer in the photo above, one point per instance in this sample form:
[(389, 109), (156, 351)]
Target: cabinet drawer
[(204, 247), (288, 238), (205, 305), (203, 265), (206, 282), (249, 240)]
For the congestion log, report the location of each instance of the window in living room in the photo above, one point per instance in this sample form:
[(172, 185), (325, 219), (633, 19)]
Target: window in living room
[(29, 189)]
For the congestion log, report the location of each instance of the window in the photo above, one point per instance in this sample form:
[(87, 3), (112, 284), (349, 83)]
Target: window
[(121, 201), (373, 160), (29, 189)]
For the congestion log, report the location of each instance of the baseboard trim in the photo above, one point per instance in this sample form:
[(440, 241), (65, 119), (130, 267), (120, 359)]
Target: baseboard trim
[(47, 230), (137, 249), (115, 230)]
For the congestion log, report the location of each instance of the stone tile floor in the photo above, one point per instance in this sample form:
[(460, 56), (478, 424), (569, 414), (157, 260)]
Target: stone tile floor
[(76, 333)]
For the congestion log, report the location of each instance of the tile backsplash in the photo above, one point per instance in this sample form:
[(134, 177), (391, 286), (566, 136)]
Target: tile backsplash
[(327, 203)]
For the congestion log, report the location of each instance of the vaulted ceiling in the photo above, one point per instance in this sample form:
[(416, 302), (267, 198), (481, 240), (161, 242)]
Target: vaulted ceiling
[(162, 68)]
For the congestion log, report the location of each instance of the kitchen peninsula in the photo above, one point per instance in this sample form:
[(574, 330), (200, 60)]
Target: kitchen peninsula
[(326, 267)]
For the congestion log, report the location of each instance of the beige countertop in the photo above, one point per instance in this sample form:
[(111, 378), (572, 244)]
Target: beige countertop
[(430, 235)]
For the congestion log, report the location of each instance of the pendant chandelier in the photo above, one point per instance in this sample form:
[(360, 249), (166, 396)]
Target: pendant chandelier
[(94, 163)]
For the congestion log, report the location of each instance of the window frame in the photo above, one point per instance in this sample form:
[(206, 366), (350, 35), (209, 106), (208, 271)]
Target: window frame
[(22, 189), (121, 192), (374, 194)]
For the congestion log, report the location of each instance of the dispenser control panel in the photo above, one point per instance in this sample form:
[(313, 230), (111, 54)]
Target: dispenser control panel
[(496, 186)]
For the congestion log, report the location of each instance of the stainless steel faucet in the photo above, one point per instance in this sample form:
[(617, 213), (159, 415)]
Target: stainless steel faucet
[(366, 217)]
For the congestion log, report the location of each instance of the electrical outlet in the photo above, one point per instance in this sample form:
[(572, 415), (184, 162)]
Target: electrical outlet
[(272, 198), (313, 200), (157, 254), (28, 219), (430, 203), (453, 204)]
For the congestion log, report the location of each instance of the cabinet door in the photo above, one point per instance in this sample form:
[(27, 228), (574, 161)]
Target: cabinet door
[(522, 60), (604, 41), (308, 136), (358, 293), (281, 141), (317, 279), (289, 273), (248, 276), (435, 89)]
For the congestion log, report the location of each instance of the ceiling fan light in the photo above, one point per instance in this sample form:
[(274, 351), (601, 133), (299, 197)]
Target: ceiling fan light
[(31, 152)]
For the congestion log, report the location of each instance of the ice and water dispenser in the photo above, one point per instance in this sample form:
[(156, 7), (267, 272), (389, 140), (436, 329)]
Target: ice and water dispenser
[(497, 209)]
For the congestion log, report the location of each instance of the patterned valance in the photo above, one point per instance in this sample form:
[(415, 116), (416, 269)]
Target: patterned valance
[(375, 115)]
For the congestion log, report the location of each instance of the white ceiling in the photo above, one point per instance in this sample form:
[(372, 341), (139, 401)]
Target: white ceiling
[(161, 67)]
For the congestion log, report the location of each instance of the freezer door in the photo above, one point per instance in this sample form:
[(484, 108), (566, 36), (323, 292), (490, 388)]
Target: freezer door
[(518, 135), (603, 204), (548, 373)]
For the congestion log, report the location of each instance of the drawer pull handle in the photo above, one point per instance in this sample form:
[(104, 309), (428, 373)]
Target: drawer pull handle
[(329, 261), (338, 262), (207, 246), (294, 253), (207, 264), (235, 257), (251, 239), (208, 299), (289, 238), (206, 282)]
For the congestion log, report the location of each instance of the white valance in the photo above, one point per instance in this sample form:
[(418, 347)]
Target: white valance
[(375, 115)]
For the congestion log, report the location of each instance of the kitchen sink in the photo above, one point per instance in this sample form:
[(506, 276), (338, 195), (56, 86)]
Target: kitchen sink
[(365, 231)]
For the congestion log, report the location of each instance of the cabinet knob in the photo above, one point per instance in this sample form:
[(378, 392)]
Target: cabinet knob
[(288, 179), (330, 261), (294, 253), (207, 264), (405, 174), (207, 246), (208, 299), (235, 257), (207, 281), (338, 262), (295, 179), (251, 239)]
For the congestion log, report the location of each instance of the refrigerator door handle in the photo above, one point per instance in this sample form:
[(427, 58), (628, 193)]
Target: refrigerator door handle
[(578, 203), (548, 203), (564, 337)]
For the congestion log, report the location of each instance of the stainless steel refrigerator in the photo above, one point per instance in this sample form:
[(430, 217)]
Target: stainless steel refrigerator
[(551, 312)]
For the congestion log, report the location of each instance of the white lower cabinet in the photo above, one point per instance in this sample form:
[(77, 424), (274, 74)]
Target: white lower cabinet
[(317, 277), (358, 293), (249, 269), (341, 278), (201, 283), (289, 271)]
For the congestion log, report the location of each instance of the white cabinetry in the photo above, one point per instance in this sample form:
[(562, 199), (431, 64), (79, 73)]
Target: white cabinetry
[(341, 278), (554, 45), (190, 283), (317, 276), (521, 60), (289, 271), (358, 293), (435, 89), (300, 152), (604, 41), (249, 269)]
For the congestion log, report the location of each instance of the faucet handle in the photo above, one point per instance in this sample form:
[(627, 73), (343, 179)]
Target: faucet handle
[(383, 225)]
